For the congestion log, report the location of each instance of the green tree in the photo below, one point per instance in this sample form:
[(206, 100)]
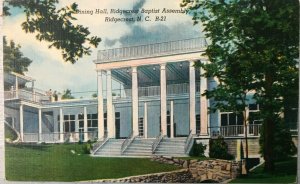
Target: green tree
[(67, 94), (254, 46), (55, 26), (13, 59)]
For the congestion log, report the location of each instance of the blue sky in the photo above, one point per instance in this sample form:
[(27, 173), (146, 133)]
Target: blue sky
[(48, 67)]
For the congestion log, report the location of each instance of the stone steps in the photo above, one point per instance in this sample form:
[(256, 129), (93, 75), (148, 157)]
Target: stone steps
[(140, 147), (171, 147), (143, 147), (111, 148)]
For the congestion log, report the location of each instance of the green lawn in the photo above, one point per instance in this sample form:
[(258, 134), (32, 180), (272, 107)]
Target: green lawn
[(285, 173), (58, 163)]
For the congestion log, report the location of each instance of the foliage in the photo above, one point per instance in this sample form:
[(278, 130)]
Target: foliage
[(95, 95), (283, 145), (197, 150), (67, 94), (285, 172), (55, 26), (13, 59), (218, 148), (9, 133), (254, 47), (55, 162), (87, 148)]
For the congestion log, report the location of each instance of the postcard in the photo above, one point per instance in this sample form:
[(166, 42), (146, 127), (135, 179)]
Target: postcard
[(149, 91)]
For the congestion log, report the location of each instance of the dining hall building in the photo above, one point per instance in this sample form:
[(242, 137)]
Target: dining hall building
[(148, 102)]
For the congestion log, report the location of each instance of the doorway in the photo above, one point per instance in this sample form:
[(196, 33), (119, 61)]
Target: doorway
[(117, 125)]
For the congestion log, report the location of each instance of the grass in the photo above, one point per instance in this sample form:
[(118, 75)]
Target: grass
[(285, 173), (57, 163)]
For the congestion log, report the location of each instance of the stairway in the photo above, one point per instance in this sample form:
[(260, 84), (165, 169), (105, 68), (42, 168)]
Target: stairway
[(139, 147), (112, 148), (171, 147)]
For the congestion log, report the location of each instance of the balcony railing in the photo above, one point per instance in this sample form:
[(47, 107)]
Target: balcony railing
[(172, 89), (152, 50), (33, 96)]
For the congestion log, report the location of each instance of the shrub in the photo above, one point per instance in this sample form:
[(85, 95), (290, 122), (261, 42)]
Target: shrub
[(197, 149), (218, 149), (87, 148)]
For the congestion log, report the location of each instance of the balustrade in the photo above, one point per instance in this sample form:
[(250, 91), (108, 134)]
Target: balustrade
[(151, 50)]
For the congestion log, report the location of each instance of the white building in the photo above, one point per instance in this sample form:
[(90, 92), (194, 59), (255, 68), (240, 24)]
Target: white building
[(155, 99)]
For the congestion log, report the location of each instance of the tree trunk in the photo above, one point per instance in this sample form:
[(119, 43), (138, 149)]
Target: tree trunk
[(268, 145), (269, 123), (246, 138)]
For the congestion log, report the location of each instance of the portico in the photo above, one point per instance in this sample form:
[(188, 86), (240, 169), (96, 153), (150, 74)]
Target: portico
[(165, 71)]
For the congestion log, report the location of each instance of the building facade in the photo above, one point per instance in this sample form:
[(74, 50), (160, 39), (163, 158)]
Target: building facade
[(144, 91)]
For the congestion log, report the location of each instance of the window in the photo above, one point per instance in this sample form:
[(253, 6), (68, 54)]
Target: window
[(141, 127), (198, 124), (69, 123), (105, 123), (230, 118), (81, 122), (254, 114), (253, 107), (92, 122)]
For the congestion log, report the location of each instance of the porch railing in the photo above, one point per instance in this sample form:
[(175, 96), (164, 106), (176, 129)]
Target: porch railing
[(156, 142), (152, 50), (188, 142), (127, 142), (57, 137), (253, 130)]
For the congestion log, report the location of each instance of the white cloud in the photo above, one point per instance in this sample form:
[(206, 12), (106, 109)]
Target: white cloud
[(48, 66)]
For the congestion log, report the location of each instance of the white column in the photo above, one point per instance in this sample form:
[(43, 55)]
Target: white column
[(17, 87), (85, 124), (172, 118), (40, 125), (100, 107), (203, 104), (110, 115), (145, 120), (61, 125), (135, 102), (163, 99), (21, 123), (192, 98)]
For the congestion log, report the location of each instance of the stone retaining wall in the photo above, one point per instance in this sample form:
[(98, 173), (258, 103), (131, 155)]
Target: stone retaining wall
[(217, 170), (193, 171), (179, 176)]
